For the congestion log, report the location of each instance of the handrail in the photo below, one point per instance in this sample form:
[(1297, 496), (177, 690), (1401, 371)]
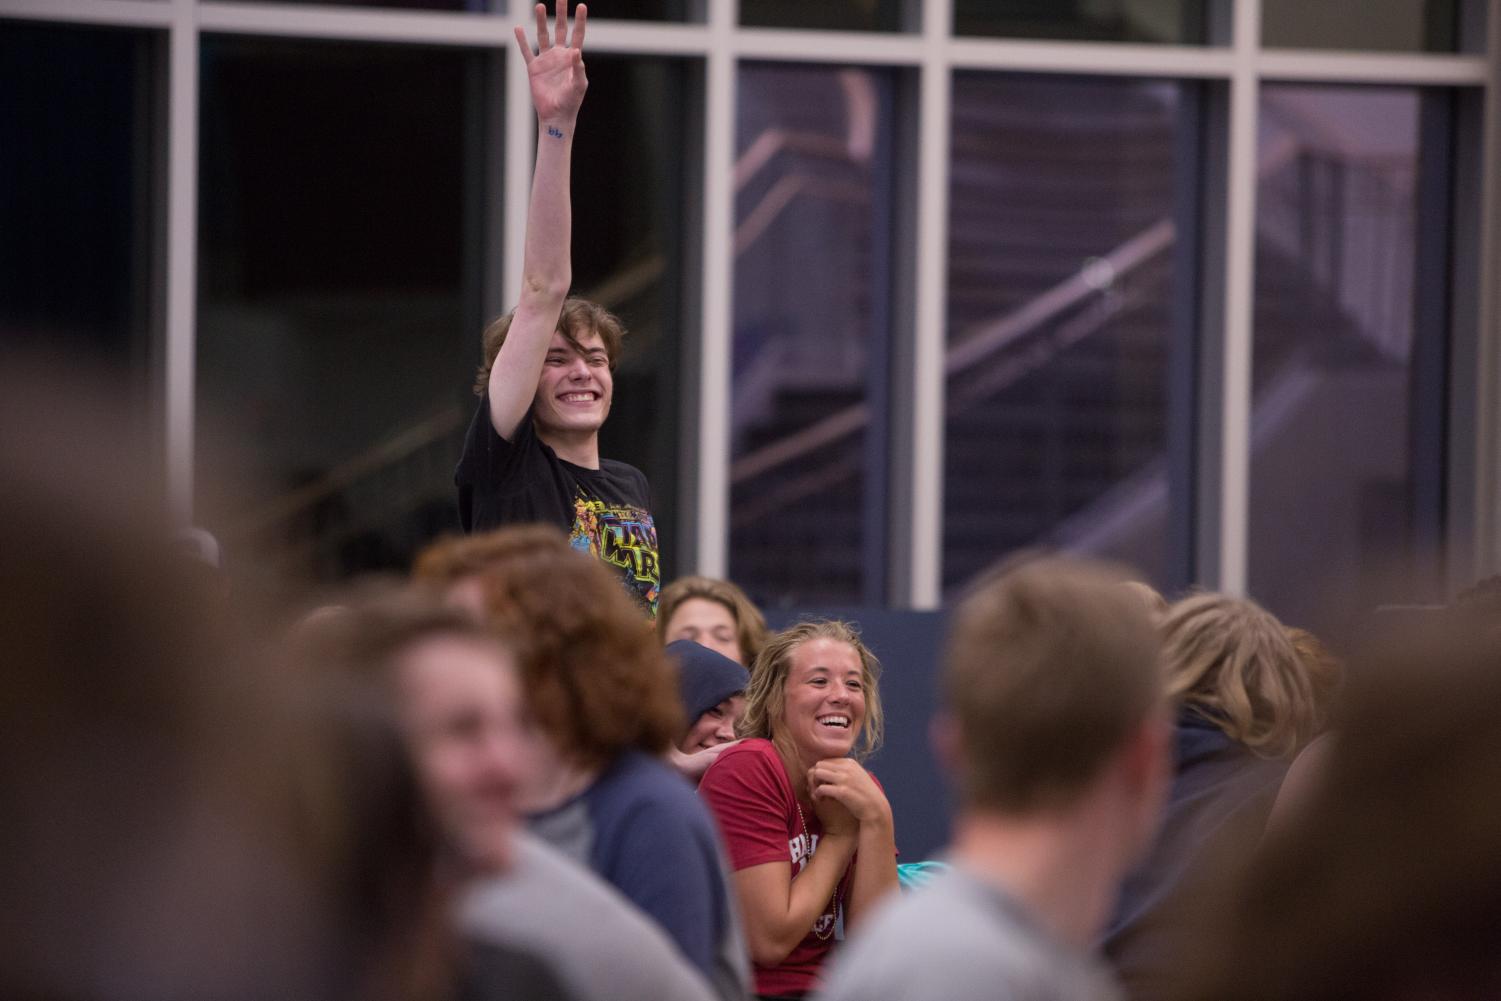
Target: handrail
[(985, 341), (399, 446), (995, 335)]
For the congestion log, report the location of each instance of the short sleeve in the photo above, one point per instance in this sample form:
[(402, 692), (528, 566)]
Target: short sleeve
[(485, 452), (664, 862), (746, 795), (491, 467)]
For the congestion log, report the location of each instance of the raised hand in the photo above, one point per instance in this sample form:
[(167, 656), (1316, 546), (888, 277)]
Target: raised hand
[(556, 71)]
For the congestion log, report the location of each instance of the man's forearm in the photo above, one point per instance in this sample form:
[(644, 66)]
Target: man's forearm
[(546, 268)]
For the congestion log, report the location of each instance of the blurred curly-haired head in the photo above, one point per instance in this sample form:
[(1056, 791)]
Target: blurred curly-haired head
[(595, 678)]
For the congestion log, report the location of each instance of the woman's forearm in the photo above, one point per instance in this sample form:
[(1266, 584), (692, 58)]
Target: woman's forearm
[(875, 868), (778, 918)]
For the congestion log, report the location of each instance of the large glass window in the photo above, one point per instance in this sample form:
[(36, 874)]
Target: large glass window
[(812, 270), (80, 220), (630, 165), (1370, 25), (1176, 21), (338, 297), (1062, 316), (1341, 387)]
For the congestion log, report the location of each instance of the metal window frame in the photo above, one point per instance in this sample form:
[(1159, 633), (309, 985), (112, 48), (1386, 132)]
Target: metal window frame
[(1236, 70)]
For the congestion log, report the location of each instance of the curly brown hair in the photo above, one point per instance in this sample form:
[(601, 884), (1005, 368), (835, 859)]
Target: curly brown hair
[(596, 680), (579, 318), (750, 624)]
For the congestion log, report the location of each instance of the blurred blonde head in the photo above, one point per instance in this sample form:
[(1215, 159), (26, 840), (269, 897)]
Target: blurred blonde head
[(1232, 662)]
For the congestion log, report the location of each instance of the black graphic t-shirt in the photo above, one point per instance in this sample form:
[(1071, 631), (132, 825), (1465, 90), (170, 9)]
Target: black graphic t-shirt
[(605, 511)]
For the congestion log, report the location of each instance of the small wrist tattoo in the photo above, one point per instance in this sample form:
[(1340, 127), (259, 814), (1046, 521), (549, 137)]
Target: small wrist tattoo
[(555, 132)]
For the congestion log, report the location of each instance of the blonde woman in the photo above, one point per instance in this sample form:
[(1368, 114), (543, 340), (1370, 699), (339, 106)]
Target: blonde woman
[(795, 805), (1246, 705)]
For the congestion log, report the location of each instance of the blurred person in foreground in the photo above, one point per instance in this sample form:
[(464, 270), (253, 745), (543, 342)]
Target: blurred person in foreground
[(604, 711), (796, 807), (452, 686), (1246, 704), (712, 689), (532, 451), (1386, 885), (1326, 672), (1055, 728), (393, 768), (175, 825)]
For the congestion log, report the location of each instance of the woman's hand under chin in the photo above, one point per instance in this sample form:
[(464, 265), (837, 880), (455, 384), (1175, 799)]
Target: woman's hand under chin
[(835, 817), (845, 783)]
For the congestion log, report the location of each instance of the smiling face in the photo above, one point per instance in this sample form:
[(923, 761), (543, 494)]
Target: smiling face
[(574, 392), (707, 623), (824, 704), (461, 712), (715, 727)]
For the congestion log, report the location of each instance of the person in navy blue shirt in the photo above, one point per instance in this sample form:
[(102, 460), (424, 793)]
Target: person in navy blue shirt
[(603, 703), (1248, 702)]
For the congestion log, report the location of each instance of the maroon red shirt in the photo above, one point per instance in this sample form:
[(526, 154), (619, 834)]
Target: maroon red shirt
[(750, 794)]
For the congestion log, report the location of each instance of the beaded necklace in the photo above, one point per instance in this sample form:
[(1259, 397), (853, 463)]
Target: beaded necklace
[(822, 936)]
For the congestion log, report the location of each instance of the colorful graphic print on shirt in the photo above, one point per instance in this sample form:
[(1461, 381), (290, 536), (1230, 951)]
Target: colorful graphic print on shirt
[(624, 537)]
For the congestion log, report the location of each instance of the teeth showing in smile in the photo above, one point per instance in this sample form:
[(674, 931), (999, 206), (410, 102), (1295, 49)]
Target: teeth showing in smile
[(841, 721), (577, 397)]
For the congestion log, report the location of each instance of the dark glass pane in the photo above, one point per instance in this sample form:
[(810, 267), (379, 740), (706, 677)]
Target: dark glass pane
[(1380, 25), (812, 264), (629, 167), (642, 10), (622, 10), (80, 223), (475, 6), (1332, 449), (835, 15), (338, 293), (1173, 21), (1061, 311)]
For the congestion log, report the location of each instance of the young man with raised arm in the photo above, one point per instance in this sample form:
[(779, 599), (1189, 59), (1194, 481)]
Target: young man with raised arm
[(532, 450), (1057, 730)]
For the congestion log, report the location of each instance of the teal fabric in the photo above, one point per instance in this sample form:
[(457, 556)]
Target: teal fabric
[(911, 875)]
